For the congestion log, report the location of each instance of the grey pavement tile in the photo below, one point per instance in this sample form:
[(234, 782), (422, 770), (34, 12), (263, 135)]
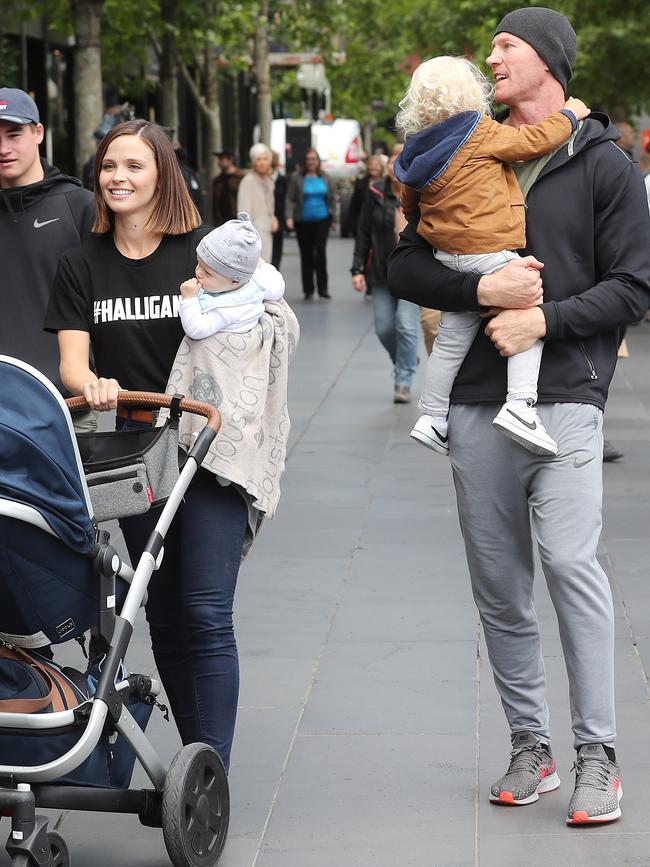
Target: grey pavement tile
[(578, 847), (372, 789), (411, 846), (274, 681), (412, 621), (393, 688)]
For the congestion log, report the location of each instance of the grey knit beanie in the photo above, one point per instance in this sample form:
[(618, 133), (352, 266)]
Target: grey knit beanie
[(549, 33), (232, 250)]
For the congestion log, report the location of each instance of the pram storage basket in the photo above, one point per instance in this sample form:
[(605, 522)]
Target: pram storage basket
[(129, 471)]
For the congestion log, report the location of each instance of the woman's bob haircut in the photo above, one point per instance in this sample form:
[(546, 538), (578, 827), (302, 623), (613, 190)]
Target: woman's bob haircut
[(439, 89), (174, 212)]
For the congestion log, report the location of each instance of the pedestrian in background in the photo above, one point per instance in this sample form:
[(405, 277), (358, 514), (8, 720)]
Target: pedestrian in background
[(396, 320), (255, 197), (375, 168), (42, 213), (310, 210), (279, 198), (225, 187)]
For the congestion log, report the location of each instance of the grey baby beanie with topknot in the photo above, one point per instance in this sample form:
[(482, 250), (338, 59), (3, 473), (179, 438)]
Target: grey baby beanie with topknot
[(232, 250)]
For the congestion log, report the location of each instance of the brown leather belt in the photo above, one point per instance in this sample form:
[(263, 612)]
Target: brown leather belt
[(146, 416)]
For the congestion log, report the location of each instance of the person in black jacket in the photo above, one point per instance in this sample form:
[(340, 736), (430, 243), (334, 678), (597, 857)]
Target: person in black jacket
[(396, 321), (587, 223), (42, 213)]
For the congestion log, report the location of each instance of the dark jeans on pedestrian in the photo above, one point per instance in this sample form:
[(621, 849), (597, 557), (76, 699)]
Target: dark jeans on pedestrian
[(190, 604), (312, 241)]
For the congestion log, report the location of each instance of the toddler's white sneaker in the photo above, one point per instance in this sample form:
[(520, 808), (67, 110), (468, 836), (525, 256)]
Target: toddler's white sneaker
[(431, 434), (521, 423)]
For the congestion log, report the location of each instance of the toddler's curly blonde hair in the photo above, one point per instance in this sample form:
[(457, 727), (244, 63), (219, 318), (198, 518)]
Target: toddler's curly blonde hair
[(440, 88)]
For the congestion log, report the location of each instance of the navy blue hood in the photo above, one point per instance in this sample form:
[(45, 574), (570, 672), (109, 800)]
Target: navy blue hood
[(428, 153), (40, 466)]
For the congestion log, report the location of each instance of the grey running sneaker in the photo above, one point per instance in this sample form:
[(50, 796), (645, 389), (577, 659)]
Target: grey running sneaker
[(532, 770), (598, 787)]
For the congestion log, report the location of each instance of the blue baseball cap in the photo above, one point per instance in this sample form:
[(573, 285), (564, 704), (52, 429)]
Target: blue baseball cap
[(16, 106)]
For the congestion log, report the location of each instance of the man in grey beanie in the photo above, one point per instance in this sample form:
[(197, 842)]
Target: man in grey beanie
[(587, 223), (230, 283)]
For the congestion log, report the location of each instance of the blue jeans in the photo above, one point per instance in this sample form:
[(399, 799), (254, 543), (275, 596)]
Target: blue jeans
[(190, 604), (396, 324)]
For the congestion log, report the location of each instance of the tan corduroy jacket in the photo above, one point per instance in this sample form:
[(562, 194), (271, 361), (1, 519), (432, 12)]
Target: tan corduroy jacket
[(476, 205)]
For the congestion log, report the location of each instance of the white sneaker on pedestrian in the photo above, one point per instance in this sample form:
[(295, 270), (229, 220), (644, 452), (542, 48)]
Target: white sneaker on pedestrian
[(431, 434), (520, 422)]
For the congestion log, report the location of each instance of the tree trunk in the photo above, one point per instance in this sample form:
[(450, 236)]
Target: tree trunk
[(367, 136), (169, 69), (263, 73), (212, 109), (88, 93)]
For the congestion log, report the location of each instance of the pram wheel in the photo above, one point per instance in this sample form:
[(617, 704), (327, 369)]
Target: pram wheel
[(59, 849), (195, 807)]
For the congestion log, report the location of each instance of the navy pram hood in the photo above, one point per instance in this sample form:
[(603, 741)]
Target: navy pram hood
[(40, 465), (427, 153)]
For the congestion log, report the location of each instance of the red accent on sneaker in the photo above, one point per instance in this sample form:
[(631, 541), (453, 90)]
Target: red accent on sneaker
[(580, 817), (550, 769), (507, 797), (616, 782)]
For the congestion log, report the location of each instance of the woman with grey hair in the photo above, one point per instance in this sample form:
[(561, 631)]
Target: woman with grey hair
[(256, 197)]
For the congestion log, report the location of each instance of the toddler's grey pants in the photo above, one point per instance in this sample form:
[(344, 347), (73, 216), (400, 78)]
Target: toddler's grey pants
[(506, 495)]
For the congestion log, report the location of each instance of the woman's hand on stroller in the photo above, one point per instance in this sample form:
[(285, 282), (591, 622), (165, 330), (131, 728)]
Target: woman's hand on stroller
[(101, 393)]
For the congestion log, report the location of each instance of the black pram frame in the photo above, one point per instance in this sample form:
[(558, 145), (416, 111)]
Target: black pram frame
[(190, 800)]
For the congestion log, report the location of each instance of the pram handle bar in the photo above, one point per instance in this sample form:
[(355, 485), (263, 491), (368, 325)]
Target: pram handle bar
[(151, 400)]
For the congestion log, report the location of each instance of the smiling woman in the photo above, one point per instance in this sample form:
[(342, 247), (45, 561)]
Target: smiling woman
[(119, 294)]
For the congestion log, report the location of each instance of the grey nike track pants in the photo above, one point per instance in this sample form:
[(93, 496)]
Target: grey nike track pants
[(506, 497)]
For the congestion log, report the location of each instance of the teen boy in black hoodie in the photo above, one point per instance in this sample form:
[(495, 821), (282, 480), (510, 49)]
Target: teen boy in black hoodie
[(42, 213), (587, 222)]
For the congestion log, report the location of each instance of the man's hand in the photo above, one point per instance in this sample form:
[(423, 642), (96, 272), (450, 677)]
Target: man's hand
[(514, 331), (517, 285), (358, 282), (190, 288)]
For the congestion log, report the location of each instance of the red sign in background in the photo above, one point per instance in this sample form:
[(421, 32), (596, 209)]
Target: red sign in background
[(645, 139)]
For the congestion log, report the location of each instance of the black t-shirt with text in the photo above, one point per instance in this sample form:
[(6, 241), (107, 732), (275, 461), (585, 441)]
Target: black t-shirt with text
[(130, 307)]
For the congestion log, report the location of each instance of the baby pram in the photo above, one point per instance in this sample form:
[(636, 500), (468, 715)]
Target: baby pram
[(59, 576)]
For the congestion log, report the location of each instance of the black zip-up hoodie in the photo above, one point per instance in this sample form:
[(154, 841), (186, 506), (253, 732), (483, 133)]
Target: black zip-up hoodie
[(587, 221), (38, 222)]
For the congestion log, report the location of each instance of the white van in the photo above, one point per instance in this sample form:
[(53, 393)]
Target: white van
[(338, 143), (339, 146)]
